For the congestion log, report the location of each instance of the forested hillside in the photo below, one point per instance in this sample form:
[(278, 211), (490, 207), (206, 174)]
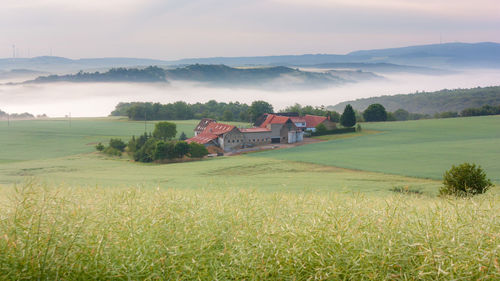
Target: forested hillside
[(431, 102), (148, 74), (217, 75)]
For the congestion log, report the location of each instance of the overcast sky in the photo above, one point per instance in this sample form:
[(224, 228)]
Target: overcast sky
[(173, 29)]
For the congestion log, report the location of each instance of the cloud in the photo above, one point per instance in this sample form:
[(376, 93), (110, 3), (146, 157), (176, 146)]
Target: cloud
[(462, 8), (172, 29)]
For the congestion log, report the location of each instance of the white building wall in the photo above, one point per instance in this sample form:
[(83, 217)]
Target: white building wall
[(292, 137), (300, 136)]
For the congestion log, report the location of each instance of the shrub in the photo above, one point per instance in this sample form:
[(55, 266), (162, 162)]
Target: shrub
[(146, 152), (332, 132), (321, 128), (197, 150), (401, 115), (112, 151), (465, 180), (181, 148), (117, 144), (99, 147), (164, 150), (406, 190)]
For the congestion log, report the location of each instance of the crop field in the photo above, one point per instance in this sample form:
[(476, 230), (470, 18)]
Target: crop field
[(424, 148), (75, 233)]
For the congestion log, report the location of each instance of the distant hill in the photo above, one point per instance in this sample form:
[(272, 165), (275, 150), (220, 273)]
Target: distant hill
[(381, 67), (431, 102), (65, 65), (148, 74), (447, 56), (217, 75), (20, 73)]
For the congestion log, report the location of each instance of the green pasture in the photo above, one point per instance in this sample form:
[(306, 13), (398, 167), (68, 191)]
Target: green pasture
[(224, 173), (50, 138), (424, 148)]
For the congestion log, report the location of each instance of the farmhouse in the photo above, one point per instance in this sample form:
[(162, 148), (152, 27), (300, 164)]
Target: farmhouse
[(304, 123), (283, 129), (225, 136), (272, 128), (202, 125), (312, 121)]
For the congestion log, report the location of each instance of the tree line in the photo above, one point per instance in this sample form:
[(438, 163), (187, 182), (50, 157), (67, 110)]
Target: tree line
[(232, 111), (377, 113), (428, 103), (120, 74), (19, 116)]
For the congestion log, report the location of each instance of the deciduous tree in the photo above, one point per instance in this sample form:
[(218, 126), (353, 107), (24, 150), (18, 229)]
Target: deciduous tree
[(165, 130)]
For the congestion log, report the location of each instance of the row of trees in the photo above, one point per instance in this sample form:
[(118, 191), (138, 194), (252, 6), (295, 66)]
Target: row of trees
[(4, 115), (158, 146), (377, 113), (312, 110), (232, 111)]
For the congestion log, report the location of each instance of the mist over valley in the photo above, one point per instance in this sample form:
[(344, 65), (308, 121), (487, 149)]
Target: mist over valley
[(99, 99)]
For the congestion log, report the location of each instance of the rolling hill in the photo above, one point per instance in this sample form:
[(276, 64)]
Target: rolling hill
[(276, 77), (446, 56), (430, 102)]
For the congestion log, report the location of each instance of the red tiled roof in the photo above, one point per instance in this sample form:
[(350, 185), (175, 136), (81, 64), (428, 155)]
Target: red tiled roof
[(203, 124), (255, 130), (298, 119), (202, 138), (211, 132), (313, 120), (274, 119), (217, 128)]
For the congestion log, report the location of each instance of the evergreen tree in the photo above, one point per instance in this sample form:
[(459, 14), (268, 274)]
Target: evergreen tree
[(348, 118), (183, 136)]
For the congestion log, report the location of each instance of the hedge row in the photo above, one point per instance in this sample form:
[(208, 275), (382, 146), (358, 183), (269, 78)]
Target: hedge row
[(334, 132)]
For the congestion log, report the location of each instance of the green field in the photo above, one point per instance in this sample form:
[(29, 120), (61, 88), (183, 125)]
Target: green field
[(51, 138), (424, 148), (70, 213)]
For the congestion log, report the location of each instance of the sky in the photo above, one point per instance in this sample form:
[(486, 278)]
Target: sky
[(175, 29)]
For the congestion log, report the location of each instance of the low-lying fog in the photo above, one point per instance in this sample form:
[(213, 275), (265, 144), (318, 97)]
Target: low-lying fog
[(99, 99)]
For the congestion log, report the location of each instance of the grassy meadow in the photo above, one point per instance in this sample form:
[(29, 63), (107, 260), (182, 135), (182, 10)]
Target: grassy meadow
[(70, 213), (51, 138), (424, 148)]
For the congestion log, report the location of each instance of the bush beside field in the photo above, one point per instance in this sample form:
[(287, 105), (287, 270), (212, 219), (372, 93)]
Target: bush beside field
[(72, 233)]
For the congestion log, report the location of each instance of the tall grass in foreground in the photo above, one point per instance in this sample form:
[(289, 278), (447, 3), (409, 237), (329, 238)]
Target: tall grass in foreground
[(92, 233)]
